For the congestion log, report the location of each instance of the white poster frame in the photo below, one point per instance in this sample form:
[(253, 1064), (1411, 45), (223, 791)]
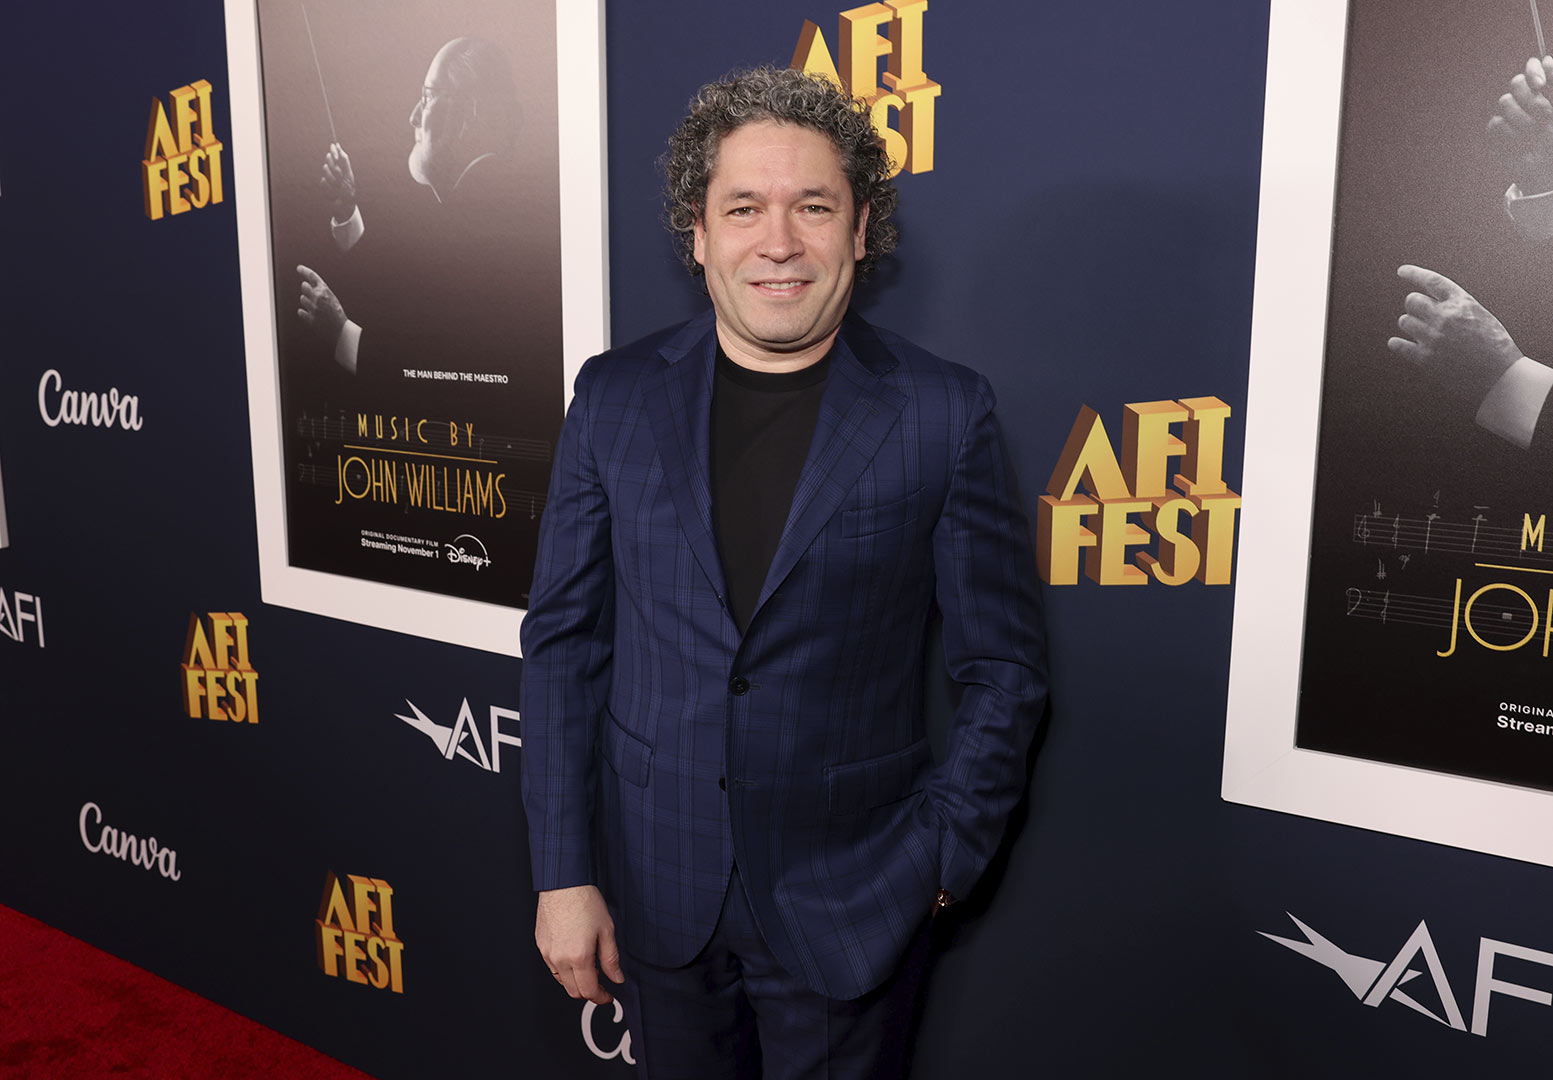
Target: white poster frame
[(1262, 765), (585, 325)]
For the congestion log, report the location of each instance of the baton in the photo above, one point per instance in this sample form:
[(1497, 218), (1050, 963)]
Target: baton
[(330, 112)]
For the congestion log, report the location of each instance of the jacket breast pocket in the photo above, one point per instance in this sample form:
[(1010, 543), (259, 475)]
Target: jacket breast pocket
[(868, 520), (629, 756), (861, 785)]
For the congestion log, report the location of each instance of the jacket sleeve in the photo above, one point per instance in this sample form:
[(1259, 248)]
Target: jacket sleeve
[(567, 637), (994, 645)]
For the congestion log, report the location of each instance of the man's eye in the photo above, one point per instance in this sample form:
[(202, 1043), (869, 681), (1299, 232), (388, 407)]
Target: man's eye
[(741, 211), (816, 208)]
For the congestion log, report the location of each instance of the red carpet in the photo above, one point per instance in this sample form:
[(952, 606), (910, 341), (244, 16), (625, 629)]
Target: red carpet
[(70, 1010)]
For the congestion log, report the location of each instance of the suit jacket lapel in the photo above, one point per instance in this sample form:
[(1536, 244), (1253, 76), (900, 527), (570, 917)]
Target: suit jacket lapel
[(857, 411), (678, 402)]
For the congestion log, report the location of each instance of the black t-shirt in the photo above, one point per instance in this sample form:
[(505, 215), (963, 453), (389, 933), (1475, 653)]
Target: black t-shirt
[(762, 424)]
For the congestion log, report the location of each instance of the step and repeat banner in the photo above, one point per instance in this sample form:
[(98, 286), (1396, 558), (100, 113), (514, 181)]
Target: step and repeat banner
[(284, 364)]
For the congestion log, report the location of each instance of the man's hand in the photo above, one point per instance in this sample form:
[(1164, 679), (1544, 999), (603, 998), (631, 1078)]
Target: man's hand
[(573, 926), (318, 307), (1522, 127), (1451, 336), (339, 183)]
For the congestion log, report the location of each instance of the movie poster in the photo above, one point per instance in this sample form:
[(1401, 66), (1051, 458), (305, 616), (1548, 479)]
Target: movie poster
[(1427, 632), (420, 225), (415, 234)]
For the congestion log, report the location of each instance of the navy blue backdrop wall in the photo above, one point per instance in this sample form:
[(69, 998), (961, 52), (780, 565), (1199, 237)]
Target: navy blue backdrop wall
[(1086, 236)]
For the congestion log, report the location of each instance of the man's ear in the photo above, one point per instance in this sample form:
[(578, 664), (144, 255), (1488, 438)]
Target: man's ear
[(698, 231), (859, 233)]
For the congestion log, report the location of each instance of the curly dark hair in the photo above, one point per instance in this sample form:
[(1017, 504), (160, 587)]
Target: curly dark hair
[(787, 96)]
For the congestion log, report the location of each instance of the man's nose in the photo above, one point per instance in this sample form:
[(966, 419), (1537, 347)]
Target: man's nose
[(415, 115), (780, 240)]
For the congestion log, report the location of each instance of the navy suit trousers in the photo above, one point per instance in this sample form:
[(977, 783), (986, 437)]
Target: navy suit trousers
[(734, 1012)]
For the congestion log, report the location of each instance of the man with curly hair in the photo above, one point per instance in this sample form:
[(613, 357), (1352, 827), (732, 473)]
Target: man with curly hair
[(733, 806)]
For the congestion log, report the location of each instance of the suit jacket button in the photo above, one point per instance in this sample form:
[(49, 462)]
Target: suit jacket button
[(739, 685), (722, 783)]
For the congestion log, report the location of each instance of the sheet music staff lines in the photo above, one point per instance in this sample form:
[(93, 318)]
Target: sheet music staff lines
[(1387, 606), (1434, 534)]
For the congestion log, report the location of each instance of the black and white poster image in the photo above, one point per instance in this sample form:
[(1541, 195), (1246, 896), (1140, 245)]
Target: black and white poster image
[(1427, 638), (415, 244)]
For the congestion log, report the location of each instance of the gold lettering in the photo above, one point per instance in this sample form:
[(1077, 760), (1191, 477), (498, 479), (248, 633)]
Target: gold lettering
[(1060, 533), (917, 124), (1532, 534), (1178, 556), (1147, 443), (203, 135), (1107, 562), (159, 134), (1202, 470), (895, 146), (1213, 531), (215, 690), (1466, 616), (812, 56), (240, 623), (333, 910), (361, 903), (1455, 610), (186, 115), (196, 649), (1087, 455), (905, 67), (861, 46), (176, 178), (154, 186), (329, 949)]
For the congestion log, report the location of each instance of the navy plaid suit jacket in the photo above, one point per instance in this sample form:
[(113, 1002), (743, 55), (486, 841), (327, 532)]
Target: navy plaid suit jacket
[(659, 746)]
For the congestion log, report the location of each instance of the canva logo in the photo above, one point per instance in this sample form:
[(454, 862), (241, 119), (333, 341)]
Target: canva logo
[(19, 612), (57, 405), (219, 682), (619, 1035), (356, 939), (451, 740), (1376, 982), (117, 844)]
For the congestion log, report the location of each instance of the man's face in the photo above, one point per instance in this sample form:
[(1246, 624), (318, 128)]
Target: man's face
[(779, 244), (438, 123)]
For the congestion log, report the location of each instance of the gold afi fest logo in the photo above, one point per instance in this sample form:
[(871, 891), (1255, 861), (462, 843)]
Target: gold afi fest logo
[(182, 167), (906, 89), (1135, 487), (357, 939), (219, 682)]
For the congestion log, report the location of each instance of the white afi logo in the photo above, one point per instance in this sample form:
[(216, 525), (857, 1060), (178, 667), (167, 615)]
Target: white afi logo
[(1374, 982), (14, 617), (622, 1049), (450, 740)]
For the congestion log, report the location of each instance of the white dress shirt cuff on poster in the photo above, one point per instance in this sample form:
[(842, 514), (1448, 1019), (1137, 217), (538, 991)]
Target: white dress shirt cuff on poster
[(346, 233)]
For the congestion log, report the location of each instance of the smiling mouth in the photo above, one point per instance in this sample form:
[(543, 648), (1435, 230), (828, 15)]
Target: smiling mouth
[(780, 286)]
